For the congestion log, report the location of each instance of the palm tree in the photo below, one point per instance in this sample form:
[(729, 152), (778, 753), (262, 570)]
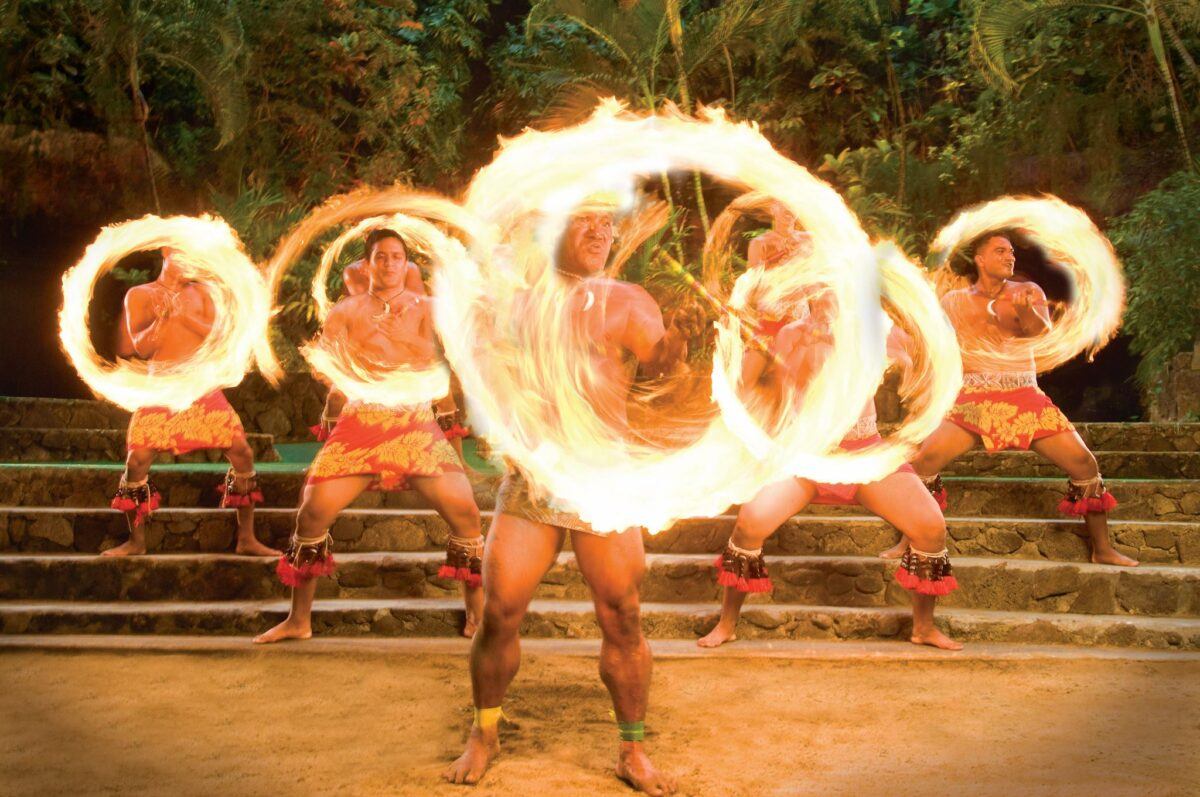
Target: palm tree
[(202, 37), (999, 22)]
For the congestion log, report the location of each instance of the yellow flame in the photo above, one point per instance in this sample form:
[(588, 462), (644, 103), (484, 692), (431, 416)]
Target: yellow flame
[(408, 213), (210, 250), (529, 375), (1072, 243)]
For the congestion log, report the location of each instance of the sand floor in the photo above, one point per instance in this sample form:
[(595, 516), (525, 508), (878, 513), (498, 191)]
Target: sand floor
[(367, 723)]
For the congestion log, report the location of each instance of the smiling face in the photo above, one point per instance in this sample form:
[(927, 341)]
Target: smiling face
[(586, 243), (995, 258), (388, 264)]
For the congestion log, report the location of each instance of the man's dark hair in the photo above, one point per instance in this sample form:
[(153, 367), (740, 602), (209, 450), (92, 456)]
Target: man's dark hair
[(375, 236)]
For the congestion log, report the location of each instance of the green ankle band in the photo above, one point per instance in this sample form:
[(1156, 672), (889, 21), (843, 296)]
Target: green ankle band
[(632, 731)]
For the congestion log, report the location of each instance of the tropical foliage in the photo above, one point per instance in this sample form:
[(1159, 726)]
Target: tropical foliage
[(914, 108)]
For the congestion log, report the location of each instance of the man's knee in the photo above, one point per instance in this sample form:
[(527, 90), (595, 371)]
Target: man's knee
[(1082, 464), (753, 524), (620, 618), (927, 534), (313, 519), (502, 617)]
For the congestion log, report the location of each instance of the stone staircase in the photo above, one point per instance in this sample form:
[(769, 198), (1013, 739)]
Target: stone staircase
[(1024, 572), (84, 430)]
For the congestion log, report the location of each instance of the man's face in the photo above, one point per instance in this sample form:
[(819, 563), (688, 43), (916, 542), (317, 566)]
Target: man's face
[(389, 264), (586, 242), (996, 258)]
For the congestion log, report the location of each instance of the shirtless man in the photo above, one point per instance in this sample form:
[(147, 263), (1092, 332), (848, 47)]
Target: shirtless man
[(796, 347), (167, 320), (379, 447), (528, 532), (1005, 408)]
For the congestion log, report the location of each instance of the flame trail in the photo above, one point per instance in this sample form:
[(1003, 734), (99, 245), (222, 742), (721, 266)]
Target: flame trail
[(530, 378), (208, 248), (409, 213), (1070, 242)]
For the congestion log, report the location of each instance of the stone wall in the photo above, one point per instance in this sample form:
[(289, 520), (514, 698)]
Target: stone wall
[(285, 412), (1179, 396)]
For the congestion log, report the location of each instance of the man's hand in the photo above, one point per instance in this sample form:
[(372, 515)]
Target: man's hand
[(1026, 297)]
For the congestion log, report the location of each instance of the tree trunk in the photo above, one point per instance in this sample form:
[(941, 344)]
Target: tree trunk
[(141, 111)]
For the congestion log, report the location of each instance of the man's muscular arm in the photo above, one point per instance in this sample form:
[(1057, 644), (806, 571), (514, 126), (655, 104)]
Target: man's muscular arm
[(657, 348)]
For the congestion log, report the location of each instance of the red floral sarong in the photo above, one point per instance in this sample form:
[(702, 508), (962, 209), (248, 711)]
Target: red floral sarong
[(209, 423), (389, 443), (1011, 418), (847, 494)]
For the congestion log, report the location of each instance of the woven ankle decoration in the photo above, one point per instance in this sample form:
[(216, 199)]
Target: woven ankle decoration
[(306, 558), (138, 497), (1085, 496), (464, 560), (938, 491), (926, 573), (233, 495), (743, 570)]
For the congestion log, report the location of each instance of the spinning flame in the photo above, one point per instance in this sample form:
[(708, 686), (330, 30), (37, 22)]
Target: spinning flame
[(407, 212), (208, 249), (534, 386), (1072, 243)]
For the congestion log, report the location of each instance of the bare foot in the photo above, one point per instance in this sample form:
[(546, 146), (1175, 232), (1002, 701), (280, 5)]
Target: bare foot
[(288, 629), (896, 551), (718, 636), (634, 767), (469, 767), (253, 547), (1113, 557), (470, 626), (934, 638), (129, 548)]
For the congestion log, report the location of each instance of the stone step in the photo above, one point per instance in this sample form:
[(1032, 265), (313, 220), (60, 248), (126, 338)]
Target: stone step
[(20, 444), (1130, 436), (574, 619), (1113, 464), (52, 413), (51, 530), (1003, 585), (91, 485), (1141, 436)]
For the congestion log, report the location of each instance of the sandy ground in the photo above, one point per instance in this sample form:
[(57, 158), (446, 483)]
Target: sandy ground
[(258, 722)]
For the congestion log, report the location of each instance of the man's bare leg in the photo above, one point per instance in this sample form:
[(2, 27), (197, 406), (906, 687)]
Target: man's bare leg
[(137, 468), (241, 457), (947, 443), (613, 566), (517, 554), (1068, 451), (756, 521), (318, 510), (451, 495), (902, 500)]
